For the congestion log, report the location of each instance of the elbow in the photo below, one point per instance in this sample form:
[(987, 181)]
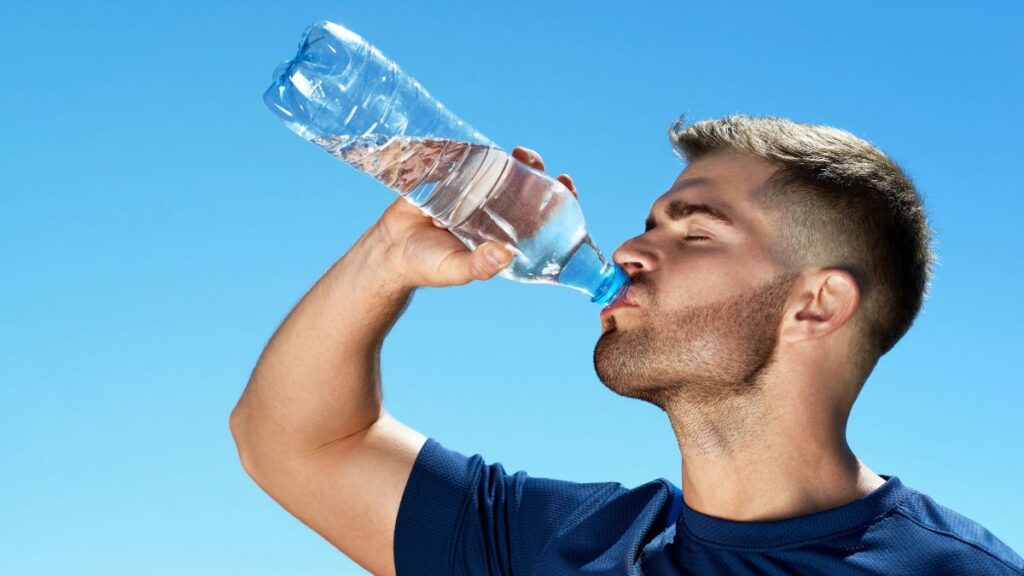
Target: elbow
[(237, 427), (236, 423)]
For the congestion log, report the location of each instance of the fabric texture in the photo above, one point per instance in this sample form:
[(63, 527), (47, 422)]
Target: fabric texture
[(462, 516)]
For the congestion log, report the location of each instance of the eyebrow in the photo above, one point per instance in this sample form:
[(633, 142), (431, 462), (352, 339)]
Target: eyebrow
[(678, 209)]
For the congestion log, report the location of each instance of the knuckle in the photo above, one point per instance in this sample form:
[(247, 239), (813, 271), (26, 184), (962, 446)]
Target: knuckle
[(477, 267)]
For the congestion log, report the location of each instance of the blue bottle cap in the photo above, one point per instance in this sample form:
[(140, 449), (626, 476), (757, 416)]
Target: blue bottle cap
[(613, 288)]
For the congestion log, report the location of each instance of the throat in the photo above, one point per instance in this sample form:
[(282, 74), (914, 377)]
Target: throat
[(750, 479)]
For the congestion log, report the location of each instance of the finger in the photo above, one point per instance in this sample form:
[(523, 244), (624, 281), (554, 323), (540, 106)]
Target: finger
[(567, 181), (488, 259), (463, 266), (529, 157), (405, 208)]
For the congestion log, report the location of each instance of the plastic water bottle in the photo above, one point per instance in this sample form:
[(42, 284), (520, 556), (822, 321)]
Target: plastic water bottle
[(344, 95)]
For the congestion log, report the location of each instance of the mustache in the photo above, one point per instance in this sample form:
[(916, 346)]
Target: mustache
[(643, 286)]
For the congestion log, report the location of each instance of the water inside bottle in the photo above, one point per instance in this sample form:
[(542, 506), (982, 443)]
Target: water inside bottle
[(482, 194)]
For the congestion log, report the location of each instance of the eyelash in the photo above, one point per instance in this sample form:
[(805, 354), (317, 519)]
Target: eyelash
[(689, 238)]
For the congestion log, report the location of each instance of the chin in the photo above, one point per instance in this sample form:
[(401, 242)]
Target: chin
[(622, 365)]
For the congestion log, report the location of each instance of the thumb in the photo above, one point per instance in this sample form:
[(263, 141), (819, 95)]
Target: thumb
[(463, 266), (488, 259)]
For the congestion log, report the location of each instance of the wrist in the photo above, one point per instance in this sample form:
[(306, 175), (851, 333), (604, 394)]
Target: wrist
[(374, 255)]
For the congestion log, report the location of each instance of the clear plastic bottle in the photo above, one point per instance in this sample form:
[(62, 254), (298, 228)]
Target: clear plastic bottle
[(341, 93)]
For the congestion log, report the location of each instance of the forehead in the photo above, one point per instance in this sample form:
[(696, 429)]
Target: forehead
[(726, 181)]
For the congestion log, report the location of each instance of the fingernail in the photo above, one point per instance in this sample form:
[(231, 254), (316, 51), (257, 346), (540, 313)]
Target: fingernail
[(496, 257)]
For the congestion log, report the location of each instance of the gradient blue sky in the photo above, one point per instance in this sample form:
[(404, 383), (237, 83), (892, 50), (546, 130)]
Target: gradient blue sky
[(157, 223)]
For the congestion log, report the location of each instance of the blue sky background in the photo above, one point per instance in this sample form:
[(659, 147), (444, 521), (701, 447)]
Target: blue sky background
[(157, 223)]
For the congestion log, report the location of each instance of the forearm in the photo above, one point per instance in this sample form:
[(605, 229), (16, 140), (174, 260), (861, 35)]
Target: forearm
[(318, 379)]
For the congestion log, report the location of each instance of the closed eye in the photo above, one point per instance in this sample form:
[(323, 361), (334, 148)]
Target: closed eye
[(697, 238)]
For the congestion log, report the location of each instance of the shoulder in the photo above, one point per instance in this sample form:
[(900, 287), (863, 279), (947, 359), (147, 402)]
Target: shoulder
[(460, 510), (438, 466), (956, 544)]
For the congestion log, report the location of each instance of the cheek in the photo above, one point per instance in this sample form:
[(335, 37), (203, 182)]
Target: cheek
[(695, 282)]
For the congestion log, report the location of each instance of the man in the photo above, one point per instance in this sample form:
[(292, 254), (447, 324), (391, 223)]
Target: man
[(785, 259)]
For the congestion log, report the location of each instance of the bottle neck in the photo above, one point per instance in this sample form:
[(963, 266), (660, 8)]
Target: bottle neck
[(588, 271)]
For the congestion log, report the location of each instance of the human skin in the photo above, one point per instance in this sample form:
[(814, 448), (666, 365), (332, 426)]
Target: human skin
[(311, 429), (749, 351)]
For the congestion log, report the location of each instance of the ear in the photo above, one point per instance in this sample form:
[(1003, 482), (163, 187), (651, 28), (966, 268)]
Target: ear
[(820, 302)]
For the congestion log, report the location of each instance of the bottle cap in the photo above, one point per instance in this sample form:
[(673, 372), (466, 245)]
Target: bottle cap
[(613, 287)]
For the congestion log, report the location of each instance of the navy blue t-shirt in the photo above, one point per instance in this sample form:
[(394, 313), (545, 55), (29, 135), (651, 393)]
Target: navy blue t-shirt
[(459, 515)]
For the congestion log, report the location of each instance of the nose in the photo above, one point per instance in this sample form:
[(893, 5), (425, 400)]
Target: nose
[(635, 256)]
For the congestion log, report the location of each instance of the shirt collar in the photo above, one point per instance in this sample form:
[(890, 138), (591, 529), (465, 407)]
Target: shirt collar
[(792, 531)]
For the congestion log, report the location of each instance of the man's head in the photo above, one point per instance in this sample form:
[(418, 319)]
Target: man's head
[(776, 231)]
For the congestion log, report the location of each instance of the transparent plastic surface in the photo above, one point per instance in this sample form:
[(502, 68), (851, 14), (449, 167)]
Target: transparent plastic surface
[(342, 94)]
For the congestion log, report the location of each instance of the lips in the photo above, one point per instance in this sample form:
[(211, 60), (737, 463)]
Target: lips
[(630, 297), (629, 300)]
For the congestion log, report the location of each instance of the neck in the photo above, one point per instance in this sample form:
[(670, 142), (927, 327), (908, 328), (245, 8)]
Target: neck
[(768, 456)]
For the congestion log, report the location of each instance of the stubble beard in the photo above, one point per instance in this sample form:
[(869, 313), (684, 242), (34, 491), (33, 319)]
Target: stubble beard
[(700, 357)]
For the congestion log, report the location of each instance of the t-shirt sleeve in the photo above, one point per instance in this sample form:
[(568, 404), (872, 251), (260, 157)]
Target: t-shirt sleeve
[(459, 515)]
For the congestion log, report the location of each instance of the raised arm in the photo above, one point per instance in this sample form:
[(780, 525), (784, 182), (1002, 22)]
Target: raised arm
[(310, 427)]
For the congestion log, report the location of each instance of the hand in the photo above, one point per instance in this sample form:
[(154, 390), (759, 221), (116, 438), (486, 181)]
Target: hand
[(532, 159), (422, 252)]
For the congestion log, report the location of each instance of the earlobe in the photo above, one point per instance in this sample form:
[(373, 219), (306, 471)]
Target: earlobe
[(823, 302)]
